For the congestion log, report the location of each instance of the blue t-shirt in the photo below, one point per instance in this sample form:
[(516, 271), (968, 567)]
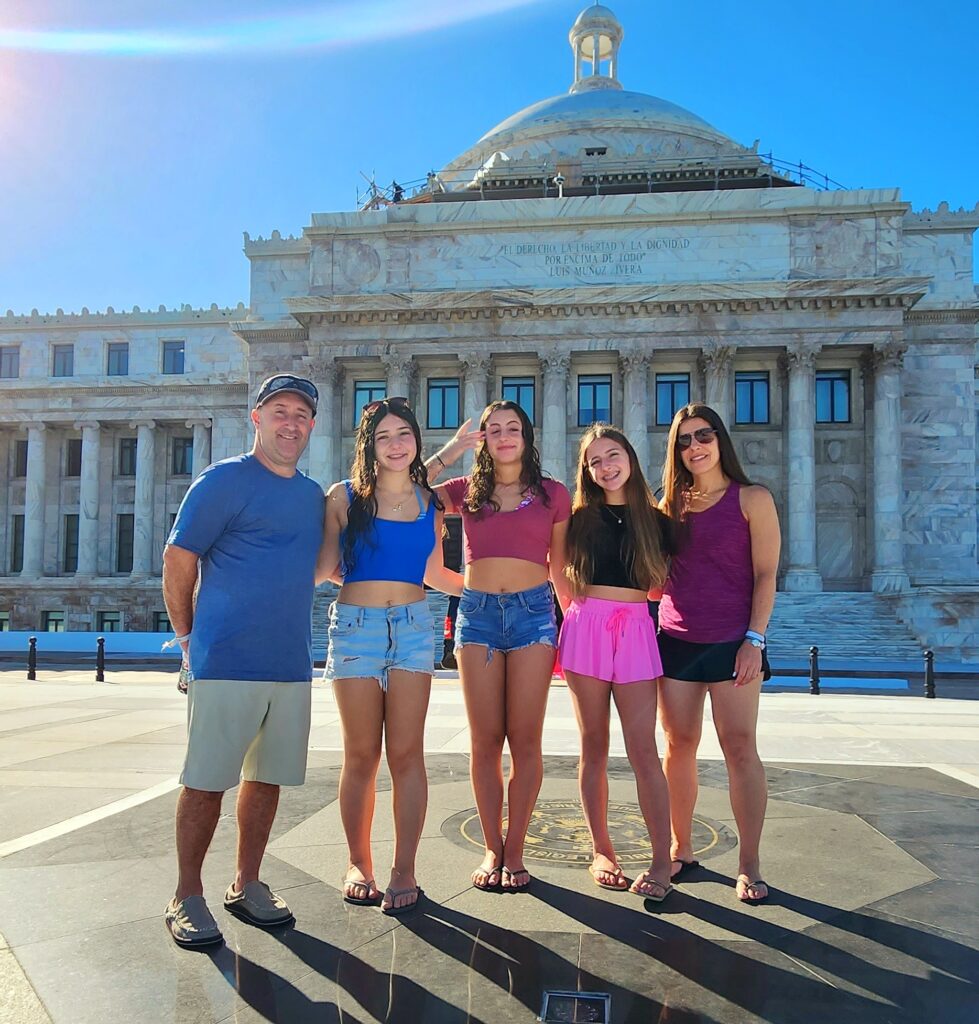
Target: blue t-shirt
[(257, 535)]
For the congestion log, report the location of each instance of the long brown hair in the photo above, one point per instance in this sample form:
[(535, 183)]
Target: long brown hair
[(677, 479), (363, 476), (643, 548), (479, 491)]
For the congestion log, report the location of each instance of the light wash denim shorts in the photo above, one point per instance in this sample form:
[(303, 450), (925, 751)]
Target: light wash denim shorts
[(366, 643), (506, 622)]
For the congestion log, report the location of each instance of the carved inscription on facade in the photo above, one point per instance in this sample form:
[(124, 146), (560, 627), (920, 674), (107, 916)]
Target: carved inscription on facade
[(602, 258)]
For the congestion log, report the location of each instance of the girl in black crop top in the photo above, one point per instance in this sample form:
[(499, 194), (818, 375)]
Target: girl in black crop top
[(617, 544)]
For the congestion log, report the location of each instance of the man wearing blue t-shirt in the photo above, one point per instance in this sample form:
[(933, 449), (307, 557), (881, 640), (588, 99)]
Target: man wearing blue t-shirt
[(249, 530)]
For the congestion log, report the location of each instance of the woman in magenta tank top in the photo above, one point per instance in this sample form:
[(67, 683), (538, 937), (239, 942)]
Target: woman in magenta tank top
[(715, 609)]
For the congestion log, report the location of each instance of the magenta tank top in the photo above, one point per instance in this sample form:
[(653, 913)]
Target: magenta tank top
[(707, 597)]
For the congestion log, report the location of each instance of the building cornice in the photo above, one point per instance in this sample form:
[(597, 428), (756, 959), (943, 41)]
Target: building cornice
[(942, 316), (147, 392), (279, 331), (943, 218), (638, 300)]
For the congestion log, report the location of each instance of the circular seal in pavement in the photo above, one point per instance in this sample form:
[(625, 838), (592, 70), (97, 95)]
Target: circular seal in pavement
[(558, 834)]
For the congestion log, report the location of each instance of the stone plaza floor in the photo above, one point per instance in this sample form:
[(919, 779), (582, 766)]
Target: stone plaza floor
[(871, 849)]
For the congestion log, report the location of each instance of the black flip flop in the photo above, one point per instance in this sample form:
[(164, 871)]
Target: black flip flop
[(686, 867), (366, 901)]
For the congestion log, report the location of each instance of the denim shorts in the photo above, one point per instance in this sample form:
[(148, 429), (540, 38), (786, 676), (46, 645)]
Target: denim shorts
[(506, 622), (366, 643)]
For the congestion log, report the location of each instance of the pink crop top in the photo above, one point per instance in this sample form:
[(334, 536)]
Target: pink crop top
[(523, 533)]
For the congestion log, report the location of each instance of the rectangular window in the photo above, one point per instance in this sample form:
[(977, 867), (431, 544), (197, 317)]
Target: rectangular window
[(127, 456), (63, 361), (173, 357), (10, 361), (16, 543), (594, 398), (70, 554), (52, 622), (125, 525), (522, 391), (367, 391), (20, 458), (108, 622), (182, 461), (73, 457), (117, 359), (672, 393), (832, 396), (161, 623), (443, 403), (751, 397), (4, 622)]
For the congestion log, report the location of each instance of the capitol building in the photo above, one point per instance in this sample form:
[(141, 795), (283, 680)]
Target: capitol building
[(601, 254)]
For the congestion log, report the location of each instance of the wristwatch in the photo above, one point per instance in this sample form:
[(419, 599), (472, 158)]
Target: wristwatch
[(755, 639)]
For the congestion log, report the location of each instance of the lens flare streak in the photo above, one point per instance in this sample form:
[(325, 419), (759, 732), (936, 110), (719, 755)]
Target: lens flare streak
[(336, 27)]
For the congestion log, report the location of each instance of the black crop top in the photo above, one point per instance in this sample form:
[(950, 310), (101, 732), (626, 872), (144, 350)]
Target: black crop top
[(609, 552)]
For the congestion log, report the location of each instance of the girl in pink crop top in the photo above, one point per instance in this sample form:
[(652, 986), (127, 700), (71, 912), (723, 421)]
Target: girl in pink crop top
[(515, 523)]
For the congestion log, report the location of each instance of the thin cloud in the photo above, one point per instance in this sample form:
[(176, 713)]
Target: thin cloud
[(336, 27)]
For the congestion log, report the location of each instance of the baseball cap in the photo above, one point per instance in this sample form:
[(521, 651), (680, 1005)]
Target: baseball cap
[(280, 382)]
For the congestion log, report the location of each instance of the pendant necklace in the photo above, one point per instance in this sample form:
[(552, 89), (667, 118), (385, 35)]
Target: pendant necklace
[(619, 519)]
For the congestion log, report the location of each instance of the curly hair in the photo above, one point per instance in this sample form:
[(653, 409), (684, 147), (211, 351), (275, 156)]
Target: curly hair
[(479, 491), (643, 544), (363, 477)]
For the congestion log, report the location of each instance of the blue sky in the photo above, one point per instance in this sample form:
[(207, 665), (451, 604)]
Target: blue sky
[(138, 140)]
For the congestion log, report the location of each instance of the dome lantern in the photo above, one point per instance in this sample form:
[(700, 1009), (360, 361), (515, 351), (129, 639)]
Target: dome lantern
[(595, 38)]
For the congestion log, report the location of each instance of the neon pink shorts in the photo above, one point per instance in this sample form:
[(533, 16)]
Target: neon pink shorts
[(610, 640)]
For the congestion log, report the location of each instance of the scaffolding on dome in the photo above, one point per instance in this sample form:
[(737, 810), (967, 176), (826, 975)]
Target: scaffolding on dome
[(597, 177)]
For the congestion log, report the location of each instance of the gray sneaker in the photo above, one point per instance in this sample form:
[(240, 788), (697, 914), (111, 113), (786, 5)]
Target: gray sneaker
[(257, 905), (190, 923)]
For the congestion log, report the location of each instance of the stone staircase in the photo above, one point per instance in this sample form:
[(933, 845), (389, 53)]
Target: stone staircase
[(851, 626)]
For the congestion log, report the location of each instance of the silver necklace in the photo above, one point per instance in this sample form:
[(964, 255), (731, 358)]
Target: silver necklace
[(619, 519)]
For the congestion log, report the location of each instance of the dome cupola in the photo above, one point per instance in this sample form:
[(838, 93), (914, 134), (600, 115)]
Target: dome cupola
[(595, 38)]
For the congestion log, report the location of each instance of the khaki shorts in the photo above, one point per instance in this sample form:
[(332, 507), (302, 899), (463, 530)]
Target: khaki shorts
[(242, 729)]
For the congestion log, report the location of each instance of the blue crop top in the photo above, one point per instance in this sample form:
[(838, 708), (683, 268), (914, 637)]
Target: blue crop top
[(399, 551)]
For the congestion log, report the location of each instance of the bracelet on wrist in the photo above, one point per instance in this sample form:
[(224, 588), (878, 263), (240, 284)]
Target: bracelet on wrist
[(441, 460)]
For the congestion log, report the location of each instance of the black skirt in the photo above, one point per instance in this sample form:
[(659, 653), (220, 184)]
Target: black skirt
[(702, 663)]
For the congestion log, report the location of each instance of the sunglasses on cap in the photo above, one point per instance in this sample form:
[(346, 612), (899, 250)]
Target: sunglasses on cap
[(702, 436), (395, 402), (288, 383)]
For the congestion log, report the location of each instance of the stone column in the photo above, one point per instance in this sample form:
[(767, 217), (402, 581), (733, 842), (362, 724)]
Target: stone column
[(88, 500), (143, 518), (34, 501), (400, 372), (802, 573), (202, 446), (554, 444), (889, 575), (635, 389), (323, 442), (476, 367), (716, 364)]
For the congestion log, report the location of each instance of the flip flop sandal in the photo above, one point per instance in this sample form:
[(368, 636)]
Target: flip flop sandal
[(617, 873), (644, 879), (394, 911), (488, 885), (687, 867), (752, 901), (507, 873), (361, 901)]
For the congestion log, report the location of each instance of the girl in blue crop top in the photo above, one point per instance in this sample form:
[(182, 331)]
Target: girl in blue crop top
[(382, 541)]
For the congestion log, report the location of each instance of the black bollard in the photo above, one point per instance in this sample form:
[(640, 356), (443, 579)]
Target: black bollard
[(32, 657), (100, 660), (930, 674), (814, 670)]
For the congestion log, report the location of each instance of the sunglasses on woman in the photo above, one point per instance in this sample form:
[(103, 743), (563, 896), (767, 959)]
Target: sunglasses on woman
[(702, 436), (395, 402)]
